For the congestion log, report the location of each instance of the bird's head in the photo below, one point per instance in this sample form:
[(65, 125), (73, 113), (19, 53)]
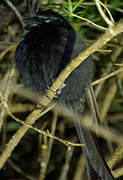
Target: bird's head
[(38, 18)]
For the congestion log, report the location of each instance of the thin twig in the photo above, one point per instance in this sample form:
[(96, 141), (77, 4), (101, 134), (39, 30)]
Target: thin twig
[(8, 49), (111, 17), (90, 22), (107, 20), (19, 170), (47, 133), (5, 96), (9, 3), (65, 167), (43, 168), (108, 76), (101, 84), (109, 96), (79, 171)]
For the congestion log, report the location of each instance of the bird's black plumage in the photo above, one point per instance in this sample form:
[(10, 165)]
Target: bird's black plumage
[(44, 52)]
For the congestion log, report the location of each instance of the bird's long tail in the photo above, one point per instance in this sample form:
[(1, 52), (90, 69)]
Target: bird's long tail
[(96, 165)]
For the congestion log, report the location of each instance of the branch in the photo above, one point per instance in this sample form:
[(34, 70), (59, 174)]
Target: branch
[(9, 3)]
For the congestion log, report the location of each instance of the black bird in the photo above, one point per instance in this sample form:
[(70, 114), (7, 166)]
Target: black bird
[(44, 52)]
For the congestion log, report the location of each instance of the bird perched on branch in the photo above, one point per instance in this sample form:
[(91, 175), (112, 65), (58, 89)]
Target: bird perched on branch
[(46, 49)]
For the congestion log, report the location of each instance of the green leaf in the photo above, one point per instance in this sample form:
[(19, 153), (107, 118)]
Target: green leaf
[(77, 4), (70, 6)]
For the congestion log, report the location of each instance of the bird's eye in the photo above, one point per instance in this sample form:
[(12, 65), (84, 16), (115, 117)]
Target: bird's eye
[(47, 21)]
